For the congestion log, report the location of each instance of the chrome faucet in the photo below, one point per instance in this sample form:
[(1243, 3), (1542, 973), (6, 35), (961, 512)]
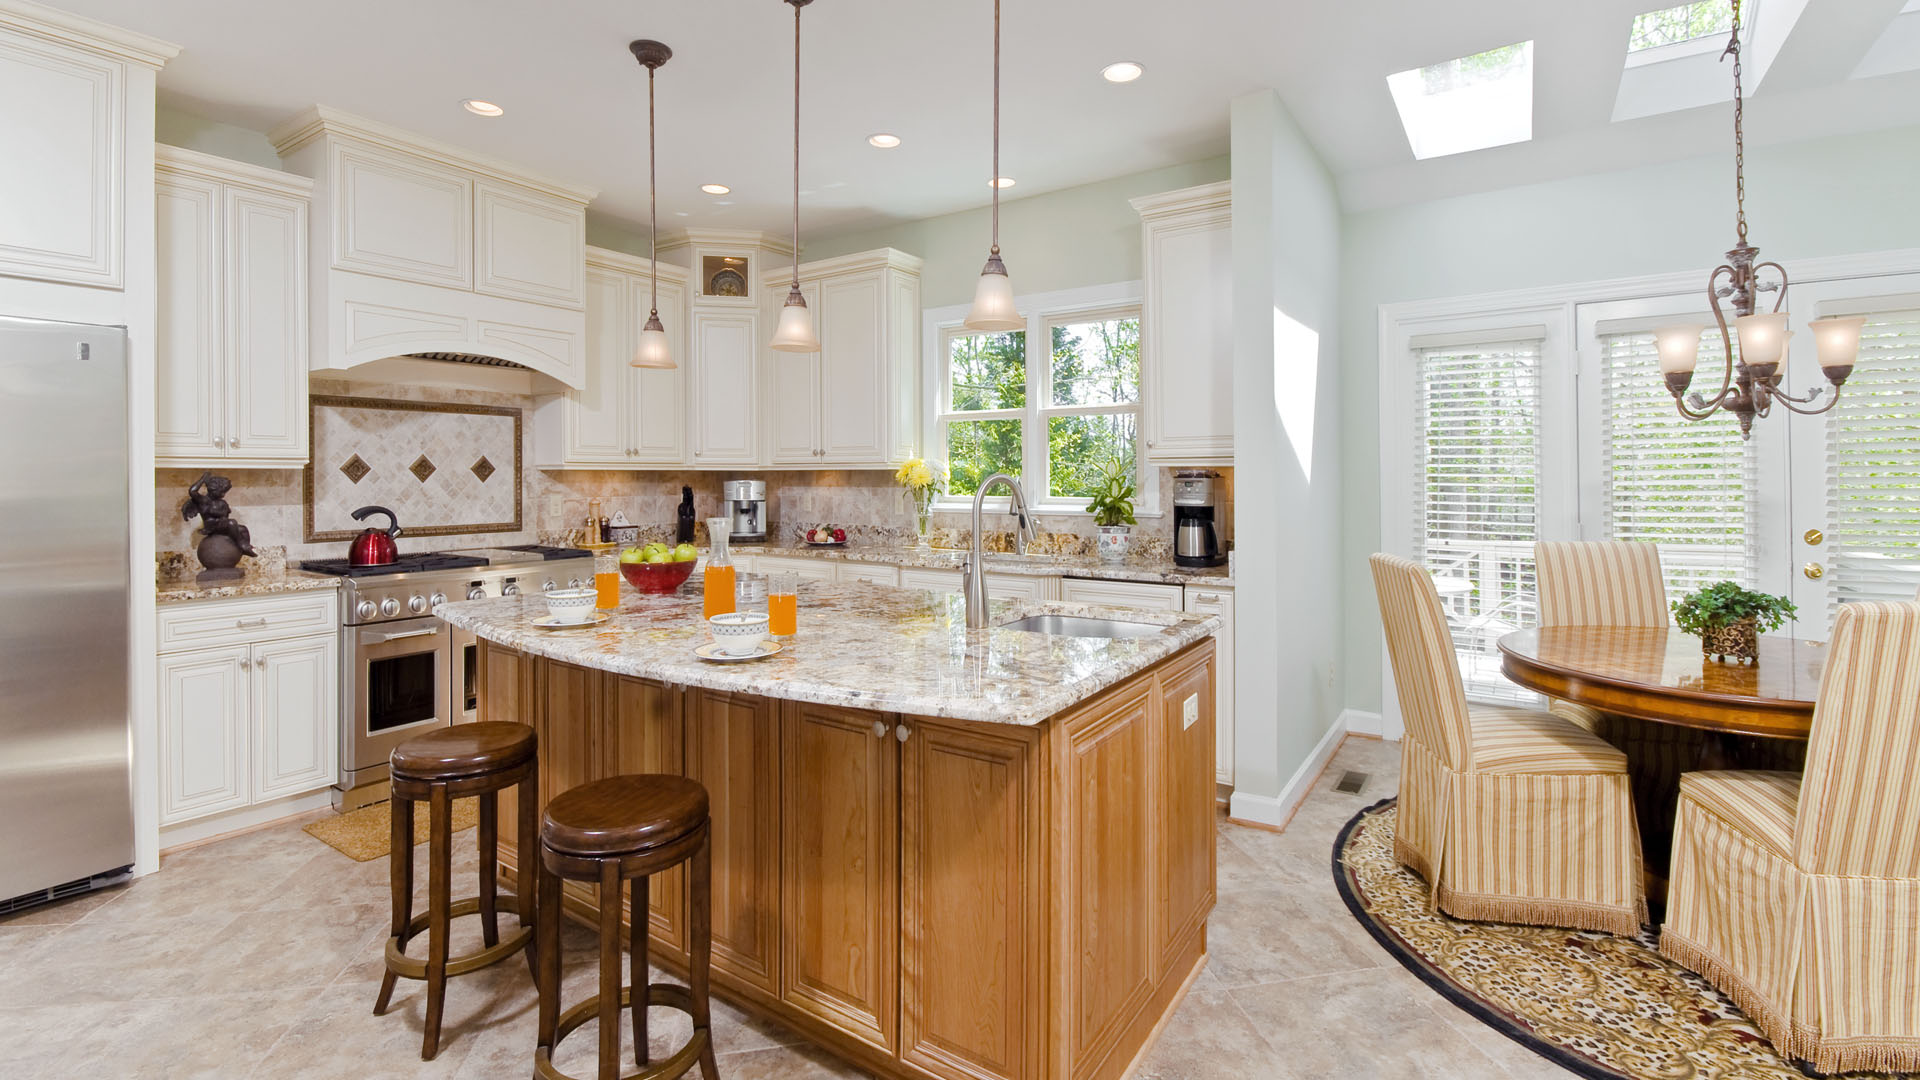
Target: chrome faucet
[(973, 577)]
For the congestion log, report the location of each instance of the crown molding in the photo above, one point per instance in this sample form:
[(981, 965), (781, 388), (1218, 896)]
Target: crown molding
[(729, 238), (79, 31), (858, 262), (180, 160), (1215, 196), (639, 265), (290, 136)]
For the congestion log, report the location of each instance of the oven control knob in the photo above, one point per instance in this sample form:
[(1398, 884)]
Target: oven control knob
[(548, 587), (576, 583), (389, 607), (365, 609), (417, 604), (437, 599), (511, 588), (476, 591)]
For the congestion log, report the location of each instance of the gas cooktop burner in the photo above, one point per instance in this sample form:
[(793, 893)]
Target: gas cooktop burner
[(549, 553), (405, 564)]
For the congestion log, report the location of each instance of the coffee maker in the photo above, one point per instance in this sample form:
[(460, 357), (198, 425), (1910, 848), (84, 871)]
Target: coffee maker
[(745, 501), (1196, 540)]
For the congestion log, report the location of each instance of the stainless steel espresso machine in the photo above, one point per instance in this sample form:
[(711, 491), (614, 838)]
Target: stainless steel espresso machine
[(1196, 539), (745, 502)]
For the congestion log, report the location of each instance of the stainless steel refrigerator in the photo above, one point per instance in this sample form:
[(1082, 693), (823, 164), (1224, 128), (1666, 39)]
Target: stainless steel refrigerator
[(66, 803)]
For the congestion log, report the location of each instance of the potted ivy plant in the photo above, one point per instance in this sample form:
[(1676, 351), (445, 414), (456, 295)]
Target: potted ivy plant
[(1729, 619), (1112, 507)]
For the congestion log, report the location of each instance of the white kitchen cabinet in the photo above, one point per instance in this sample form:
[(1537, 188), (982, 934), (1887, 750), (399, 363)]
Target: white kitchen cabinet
[(398, 216), (869, 574), (815, 570), (621, 417), (725, 369), (231, 361), (1214, 600), (1031, 587), (249, 703), (527, 246), (855, 403), (940, 581), (1186, 325), (1122, 594)]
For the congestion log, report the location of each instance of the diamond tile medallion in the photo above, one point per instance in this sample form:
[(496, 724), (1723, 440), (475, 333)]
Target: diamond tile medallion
[(355, 469), (422, 468), (482, 469)]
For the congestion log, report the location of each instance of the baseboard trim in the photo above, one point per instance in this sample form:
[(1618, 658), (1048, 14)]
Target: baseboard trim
[(1274, 811), (1360, 722), (190, 834)]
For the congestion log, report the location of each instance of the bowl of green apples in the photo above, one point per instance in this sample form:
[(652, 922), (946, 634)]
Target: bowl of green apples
[(658, 568)]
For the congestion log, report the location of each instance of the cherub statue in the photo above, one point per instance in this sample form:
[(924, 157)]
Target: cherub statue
[(223, 540)]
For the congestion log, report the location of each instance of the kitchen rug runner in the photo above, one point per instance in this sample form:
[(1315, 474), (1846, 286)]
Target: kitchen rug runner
[(1598, 1005), (365, 834)]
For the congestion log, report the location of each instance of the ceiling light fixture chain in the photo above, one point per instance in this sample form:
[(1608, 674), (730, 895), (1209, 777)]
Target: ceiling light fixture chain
[(652, 350), (1739, 125)]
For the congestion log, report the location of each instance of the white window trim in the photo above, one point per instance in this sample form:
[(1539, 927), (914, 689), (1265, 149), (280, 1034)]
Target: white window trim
[(1042, 311)]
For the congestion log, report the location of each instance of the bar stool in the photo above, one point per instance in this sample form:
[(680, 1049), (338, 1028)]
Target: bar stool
[(457, 762), (611, 831)]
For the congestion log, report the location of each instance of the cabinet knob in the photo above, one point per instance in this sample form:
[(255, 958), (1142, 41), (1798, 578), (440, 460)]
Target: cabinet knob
[(233, 442), (903, 733), (879, 729), (219, 440)]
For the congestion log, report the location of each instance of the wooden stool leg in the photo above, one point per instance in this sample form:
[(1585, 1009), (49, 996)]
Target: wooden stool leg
[(548, 932), (489, 869), (400, 880), (610, 970), (700, 951), (526, 857), (439, 901), (637, 964)]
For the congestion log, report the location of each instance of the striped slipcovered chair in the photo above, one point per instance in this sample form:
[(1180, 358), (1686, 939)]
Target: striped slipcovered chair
[(1801, 899), (1511, 815)]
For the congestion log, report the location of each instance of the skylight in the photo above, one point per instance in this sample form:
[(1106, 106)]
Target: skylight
[(1674, 25), (1470, 103)]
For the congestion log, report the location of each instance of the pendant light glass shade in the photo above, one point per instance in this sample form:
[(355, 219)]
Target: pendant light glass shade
[(794, 333), (652, 350), (993, 308)]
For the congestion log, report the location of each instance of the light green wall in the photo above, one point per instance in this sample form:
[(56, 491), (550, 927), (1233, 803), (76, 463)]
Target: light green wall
[(1086, 235), (1836, 196), (176, 128)]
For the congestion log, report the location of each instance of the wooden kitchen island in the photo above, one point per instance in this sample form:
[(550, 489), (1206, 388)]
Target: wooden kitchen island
[(937, 854)]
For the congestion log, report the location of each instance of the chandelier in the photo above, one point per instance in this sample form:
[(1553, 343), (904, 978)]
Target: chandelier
[(1751, 384)]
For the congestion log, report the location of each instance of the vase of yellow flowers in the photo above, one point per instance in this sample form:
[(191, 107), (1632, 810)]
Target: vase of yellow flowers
[(922, 482)]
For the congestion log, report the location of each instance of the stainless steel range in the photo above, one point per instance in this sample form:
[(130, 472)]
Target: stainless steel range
[(404, 672)]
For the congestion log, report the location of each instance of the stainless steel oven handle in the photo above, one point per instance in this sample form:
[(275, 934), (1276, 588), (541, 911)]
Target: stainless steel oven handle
[(430, 631)]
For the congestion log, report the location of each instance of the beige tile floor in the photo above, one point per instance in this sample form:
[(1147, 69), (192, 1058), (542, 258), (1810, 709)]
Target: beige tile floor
[(259, 956)]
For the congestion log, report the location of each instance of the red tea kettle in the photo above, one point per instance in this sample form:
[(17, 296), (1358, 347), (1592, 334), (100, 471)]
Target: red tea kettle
[(374, 547)]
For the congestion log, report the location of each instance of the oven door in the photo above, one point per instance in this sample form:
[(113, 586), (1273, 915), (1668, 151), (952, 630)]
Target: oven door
[(402, 672), (464, 688)]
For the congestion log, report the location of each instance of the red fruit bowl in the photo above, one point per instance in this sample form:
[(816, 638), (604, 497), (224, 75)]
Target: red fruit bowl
[(658, 578)]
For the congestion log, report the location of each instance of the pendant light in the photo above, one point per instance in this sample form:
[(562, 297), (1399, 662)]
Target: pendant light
[(652, 351), (795, 330), (993, 296)]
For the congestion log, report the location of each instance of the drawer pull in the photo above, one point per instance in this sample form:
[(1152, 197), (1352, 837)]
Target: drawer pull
[(429, 632), (1206, 598), (250, 624)]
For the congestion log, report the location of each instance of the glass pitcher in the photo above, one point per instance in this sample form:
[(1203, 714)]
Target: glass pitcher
[(719, 578)]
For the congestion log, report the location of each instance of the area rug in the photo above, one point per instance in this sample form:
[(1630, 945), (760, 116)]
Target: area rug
[(365, 834), (1597, 1005)]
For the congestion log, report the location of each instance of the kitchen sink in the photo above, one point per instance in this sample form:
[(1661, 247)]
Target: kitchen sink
[(1076, 626)]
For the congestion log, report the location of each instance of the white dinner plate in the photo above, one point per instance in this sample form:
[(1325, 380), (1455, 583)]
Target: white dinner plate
[(548, 622), (711, 651)]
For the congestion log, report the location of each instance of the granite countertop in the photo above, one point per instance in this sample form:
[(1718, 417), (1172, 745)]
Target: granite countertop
[(859, 646), (256, 579), (1157, 571)]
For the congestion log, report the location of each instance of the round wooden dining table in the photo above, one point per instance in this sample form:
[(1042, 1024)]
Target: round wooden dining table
[(1660, 675)]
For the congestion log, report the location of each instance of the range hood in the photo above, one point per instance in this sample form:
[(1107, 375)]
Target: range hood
[(468, 358)]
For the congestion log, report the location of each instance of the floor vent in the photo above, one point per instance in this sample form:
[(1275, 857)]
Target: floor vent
[(61, 892), (1351, 782)]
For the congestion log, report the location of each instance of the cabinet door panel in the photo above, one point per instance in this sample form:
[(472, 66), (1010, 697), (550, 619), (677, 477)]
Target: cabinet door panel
[(571, 715), (733, 748), (266, 313), (528, 247), (855, 371), (203, 733), (726, 411), (660, 397), (1122, 594), (794, 403), (295, 715), (1187, 339), (1185, 850), (971, 905), (646, 735), (64, 129), (188, 377), (597, 427), (399, 217), (504, 693), (945, 582), (1219, 602)]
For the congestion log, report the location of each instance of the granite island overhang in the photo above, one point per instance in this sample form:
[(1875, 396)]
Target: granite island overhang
[(939, 854)]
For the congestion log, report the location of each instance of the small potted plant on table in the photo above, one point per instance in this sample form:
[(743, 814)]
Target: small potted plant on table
[(1112, 508), (1729, 619)]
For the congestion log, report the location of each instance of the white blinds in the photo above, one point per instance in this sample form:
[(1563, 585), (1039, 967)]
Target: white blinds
[(1873, 467), (1478, 460), (1678, 483)]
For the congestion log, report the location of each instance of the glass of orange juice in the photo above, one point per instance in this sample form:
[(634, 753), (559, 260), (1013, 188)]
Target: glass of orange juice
[(783, 604), (718, 581), (606, 575)]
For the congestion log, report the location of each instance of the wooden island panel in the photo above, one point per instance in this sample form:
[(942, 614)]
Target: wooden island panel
[(645, 734), (733, 749)]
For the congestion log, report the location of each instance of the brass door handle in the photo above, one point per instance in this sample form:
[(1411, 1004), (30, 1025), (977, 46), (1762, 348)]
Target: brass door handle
[(1813, 536), (1815, 571)]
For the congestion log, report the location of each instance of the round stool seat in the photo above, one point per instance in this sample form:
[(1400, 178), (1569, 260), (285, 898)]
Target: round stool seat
[(464, 750), (623, 814)]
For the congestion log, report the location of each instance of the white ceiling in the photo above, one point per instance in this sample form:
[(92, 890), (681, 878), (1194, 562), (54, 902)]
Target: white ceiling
[(575, 98)]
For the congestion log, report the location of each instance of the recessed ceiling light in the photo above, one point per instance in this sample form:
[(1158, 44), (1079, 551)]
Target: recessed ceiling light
[(715, 189), (1003, 182), (1124, 71), (883, 141), (482, 108)]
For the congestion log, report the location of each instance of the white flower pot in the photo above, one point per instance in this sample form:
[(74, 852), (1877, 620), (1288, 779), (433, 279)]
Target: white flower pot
[(1113, 542)]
